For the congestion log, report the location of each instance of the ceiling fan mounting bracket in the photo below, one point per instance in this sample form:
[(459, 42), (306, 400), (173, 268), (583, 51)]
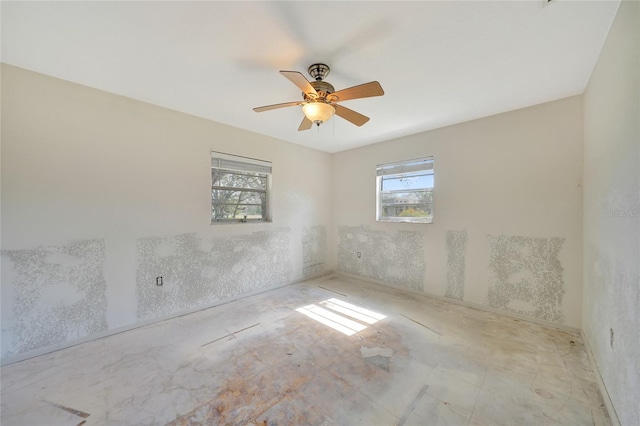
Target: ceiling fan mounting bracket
[(319, 71)]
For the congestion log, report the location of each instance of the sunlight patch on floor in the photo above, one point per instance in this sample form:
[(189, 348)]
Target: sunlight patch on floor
[(341, 316)]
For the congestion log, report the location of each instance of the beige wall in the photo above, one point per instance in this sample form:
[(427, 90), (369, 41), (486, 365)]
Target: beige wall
[(612, 213), (507, 206), (101, 194)]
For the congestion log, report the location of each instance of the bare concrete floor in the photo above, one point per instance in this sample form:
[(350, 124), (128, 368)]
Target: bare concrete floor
[(330, 351)]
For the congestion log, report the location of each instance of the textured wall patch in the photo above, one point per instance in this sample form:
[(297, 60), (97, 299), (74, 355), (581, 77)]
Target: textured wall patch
[(197, 272), (314, 250), (456, 249), (393, 257), (58, 294), (526, 276)]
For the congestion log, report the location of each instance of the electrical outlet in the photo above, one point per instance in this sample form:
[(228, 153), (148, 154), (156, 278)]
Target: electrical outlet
[(359, 255), (159, 281)]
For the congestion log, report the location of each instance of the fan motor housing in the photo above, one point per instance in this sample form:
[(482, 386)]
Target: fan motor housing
[(322, 86)]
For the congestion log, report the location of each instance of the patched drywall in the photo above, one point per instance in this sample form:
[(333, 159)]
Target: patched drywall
[(57, 294), (611, 304), (392, 257), (526, 276), (456, 249), (314, 251), (197, 271)]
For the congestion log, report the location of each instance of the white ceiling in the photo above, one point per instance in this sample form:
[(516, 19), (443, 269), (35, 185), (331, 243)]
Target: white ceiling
[(439, 63)]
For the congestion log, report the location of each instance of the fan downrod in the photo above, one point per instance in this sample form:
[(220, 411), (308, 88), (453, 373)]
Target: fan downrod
[(319, 71)]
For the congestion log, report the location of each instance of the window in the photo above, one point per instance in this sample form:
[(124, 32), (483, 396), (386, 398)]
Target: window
[(405, 191), (239, 189)]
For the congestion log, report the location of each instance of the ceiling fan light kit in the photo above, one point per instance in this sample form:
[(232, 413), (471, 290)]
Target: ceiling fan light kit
[(320, 99), (318, 112)]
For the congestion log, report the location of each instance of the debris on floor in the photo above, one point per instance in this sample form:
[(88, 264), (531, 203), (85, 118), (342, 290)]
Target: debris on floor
[(377, 351)]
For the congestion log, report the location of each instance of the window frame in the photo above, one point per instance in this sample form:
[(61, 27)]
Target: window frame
[(246, 166), (423, 166)]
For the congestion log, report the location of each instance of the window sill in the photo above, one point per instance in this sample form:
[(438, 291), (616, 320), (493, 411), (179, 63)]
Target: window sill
[(405, 221), (239, 222)]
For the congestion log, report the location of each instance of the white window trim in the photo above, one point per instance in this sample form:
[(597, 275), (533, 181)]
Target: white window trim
[(397, 169)]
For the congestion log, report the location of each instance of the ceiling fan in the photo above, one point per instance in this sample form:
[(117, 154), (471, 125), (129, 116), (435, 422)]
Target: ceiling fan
[(320, 100)]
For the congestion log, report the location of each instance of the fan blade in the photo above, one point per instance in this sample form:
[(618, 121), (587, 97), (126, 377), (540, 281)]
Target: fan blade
[(276, 106), (299, 80), (366, 90), (306, 124), (350, 115)]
